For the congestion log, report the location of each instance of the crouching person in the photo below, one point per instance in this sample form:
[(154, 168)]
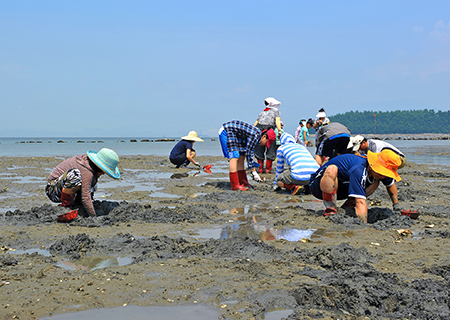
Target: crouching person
[(78, 176), (344, 177), (239, 140), (294, 165)]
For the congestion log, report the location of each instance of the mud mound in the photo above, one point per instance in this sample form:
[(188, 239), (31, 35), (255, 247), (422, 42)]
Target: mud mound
[(73, 245), (109, 213), (374, 294), (7, 261), (350, 283), (135, 212), (378, 218), (48, 213), (434, 234), (162, 247), (436, 211), (341, 257), (44, 214), (235, 248), (441, 271)]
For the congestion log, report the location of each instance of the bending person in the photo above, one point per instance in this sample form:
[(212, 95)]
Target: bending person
[(294, 165), (331, 141), (345, 177), (239, 140), (362, 145), (78, 176)]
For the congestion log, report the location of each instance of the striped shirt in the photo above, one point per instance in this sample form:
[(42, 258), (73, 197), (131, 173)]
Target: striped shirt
[(297, 157), (242, 137)]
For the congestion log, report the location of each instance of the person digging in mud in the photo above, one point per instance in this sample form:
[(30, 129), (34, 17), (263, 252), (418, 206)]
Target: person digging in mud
[(183, 152), (75, 179), (331, 141), (238, 140), (294, 165), (361, 145), (345, 177)]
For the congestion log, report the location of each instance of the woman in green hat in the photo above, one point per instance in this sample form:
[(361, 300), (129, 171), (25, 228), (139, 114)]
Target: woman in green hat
[(78, 176)]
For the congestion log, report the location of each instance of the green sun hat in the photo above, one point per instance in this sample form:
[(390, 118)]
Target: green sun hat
[(107, 160)]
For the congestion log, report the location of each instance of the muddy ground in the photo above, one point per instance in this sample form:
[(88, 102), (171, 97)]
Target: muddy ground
[(167, 237)]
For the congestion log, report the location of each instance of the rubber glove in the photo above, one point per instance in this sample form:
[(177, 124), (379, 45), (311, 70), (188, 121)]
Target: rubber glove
[(255, 176), (397, 207), (197, 164)]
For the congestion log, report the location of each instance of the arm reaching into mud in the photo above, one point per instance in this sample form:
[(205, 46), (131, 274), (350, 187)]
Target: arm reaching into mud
[(361, 209)]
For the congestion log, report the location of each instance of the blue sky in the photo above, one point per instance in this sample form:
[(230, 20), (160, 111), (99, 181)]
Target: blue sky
[(163, 68)]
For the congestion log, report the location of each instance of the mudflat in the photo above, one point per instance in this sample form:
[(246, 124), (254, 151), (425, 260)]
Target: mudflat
[(181, 237)]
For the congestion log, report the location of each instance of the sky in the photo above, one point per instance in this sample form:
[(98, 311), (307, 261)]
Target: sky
[(163, 68)]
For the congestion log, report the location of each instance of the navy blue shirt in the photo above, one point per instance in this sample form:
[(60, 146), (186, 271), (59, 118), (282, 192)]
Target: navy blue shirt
[(180, 149), (352, 172)]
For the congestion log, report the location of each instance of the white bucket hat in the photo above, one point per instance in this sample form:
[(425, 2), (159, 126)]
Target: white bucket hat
[(355, 142), (192, 136), (321, 114)]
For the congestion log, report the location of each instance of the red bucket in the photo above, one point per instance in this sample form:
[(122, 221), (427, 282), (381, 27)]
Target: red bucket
[(413, 214), (68, 216)]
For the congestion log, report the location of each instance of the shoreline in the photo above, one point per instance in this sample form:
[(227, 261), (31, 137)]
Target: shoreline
[(385, 136)]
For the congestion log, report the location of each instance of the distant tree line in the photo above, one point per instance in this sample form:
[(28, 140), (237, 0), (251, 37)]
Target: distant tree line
[(386, 122)]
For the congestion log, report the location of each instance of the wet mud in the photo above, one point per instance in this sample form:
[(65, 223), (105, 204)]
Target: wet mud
[(181, 237)]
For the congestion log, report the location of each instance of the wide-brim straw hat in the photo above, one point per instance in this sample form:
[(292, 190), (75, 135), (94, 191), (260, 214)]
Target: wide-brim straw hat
[(385, 163), (107, 160), (192, 136)]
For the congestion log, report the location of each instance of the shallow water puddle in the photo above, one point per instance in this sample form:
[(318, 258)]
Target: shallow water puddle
[(28, 179), (277, 314), (196, 312), (265, 233), (43, 252), (21, 179), (245, 223), (163, 195), (94, 263)]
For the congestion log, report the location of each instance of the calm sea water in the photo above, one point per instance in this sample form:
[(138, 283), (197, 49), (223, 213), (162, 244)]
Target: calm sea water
[(418, 151)]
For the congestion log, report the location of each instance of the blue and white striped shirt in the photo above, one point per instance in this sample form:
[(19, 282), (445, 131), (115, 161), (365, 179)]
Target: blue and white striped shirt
[(297, 157)]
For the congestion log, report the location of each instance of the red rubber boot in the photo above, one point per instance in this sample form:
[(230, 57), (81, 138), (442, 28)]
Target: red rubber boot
[(261, 164), (242, 174), (269, 166), (234, 180)]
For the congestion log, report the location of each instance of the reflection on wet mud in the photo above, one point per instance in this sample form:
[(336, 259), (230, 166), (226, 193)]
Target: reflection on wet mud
[(195, 312), (94, 263), (43, 252), (253, 226)]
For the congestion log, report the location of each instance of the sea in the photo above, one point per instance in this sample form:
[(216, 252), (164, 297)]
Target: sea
[(436, 152)]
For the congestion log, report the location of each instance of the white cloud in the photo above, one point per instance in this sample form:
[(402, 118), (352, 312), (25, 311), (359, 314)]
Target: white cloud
[(441, 31), (243, 89), (417, 29)]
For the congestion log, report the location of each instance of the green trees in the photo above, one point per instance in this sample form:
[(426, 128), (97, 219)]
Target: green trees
[(399, 121)]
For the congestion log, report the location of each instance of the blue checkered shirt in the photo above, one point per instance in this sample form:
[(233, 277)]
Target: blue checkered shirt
[(242, 137)]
